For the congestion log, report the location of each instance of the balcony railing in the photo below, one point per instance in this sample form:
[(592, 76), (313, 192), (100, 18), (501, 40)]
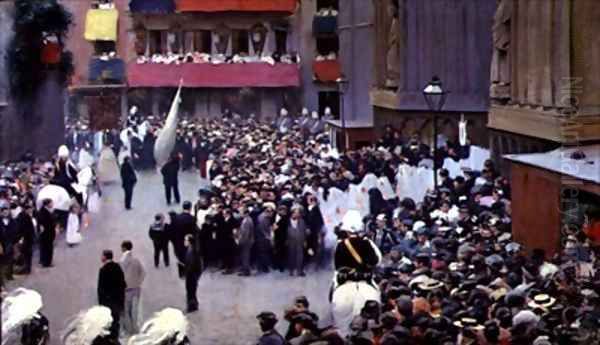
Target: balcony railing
[(213, 76)]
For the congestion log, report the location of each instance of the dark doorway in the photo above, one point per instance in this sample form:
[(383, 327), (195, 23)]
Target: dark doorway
[(329, 99), (327, 4)]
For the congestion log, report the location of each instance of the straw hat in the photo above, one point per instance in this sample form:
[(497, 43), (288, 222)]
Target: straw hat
[(467, 322), (542, 301)]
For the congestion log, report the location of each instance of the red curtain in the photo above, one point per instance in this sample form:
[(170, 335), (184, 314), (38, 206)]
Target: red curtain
[(327, 71), (218, 76), (236, 5), (50, 53)]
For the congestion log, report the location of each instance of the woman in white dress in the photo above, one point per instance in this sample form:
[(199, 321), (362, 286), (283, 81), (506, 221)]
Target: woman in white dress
[(74, 226), (108, 169)]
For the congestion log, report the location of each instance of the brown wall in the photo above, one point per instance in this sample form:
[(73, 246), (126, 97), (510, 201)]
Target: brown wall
[(586, 55), (82, 49), (536, 207)]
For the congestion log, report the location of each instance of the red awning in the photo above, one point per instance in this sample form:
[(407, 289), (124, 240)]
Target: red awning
[(327, 71), (236, 5), (218, 76)]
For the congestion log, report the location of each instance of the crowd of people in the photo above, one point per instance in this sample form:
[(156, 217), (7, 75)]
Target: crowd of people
[(27, 219), (447, 268), (450, 272)]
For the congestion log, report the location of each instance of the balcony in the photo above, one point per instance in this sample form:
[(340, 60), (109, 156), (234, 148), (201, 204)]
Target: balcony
[(213, 75), (287, 6), (326, 25), (152, 6), (106, 71)]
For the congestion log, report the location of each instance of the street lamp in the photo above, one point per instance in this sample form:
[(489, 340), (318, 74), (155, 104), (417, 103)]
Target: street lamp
[(343, 83), (435, 96)]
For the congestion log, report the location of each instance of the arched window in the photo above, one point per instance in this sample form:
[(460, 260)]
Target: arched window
[(258, 37), (221, 38)]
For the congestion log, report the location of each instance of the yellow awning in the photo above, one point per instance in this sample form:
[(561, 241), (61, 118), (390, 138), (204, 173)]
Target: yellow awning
[(101, 25)]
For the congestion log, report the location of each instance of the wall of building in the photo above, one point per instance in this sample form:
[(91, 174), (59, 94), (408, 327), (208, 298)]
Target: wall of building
[(308, 47), (450, 39), (82, 49), (356, 29), (6, 34)]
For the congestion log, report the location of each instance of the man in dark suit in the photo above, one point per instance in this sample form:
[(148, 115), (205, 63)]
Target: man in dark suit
[(226, 240), (267, 321), (170, 173), (202, 153), (26, 236), (8, 232), (128, 179), (193, 271), (47, 228), (111, 289), (245, 240), (315, 223), (185, 224)]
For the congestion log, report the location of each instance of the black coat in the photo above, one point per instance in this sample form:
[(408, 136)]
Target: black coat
[(193, 262), (364, 248), (225, 235), (170, 172), (25, 230), (8, 233), (184, 224), (111, 286), (314, 221), (46, 225), (128, 176)]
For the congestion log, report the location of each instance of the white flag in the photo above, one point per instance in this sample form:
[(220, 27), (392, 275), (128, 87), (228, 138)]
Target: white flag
[(165, 142)]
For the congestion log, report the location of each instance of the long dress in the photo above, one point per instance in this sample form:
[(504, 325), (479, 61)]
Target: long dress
[(108, 169), (73, 234)]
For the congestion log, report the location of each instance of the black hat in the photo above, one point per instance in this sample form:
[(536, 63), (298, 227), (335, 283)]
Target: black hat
[(388, 320), (305, 319), (301, 300), (267, 316)]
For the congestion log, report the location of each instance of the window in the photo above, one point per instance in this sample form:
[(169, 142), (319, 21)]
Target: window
[(174, 42), (281, 41), (203, 41), (197, 41), (326, 45), (321, 4), (157, 42), (329, 99), (221, 38), (104, 47), (258, 35), (240, 42)]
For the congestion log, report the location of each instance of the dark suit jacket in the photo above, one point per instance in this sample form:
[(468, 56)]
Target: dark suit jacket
[(185, 224), (46, 225), (170, 172), (25, 230), (128, 177), (111, 286)]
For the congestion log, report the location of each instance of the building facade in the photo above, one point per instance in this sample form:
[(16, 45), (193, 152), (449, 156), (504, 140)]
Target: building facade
[(416, 40), (545, 67)]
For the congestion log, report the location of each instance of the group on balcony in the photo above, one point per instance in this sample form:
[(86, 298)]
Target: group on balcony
[(218, 46)]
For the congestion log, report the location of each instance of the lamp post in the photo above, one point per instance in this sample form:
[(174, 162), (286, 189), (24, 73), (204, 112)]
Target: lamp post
[(343, 84), (435, 96)]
